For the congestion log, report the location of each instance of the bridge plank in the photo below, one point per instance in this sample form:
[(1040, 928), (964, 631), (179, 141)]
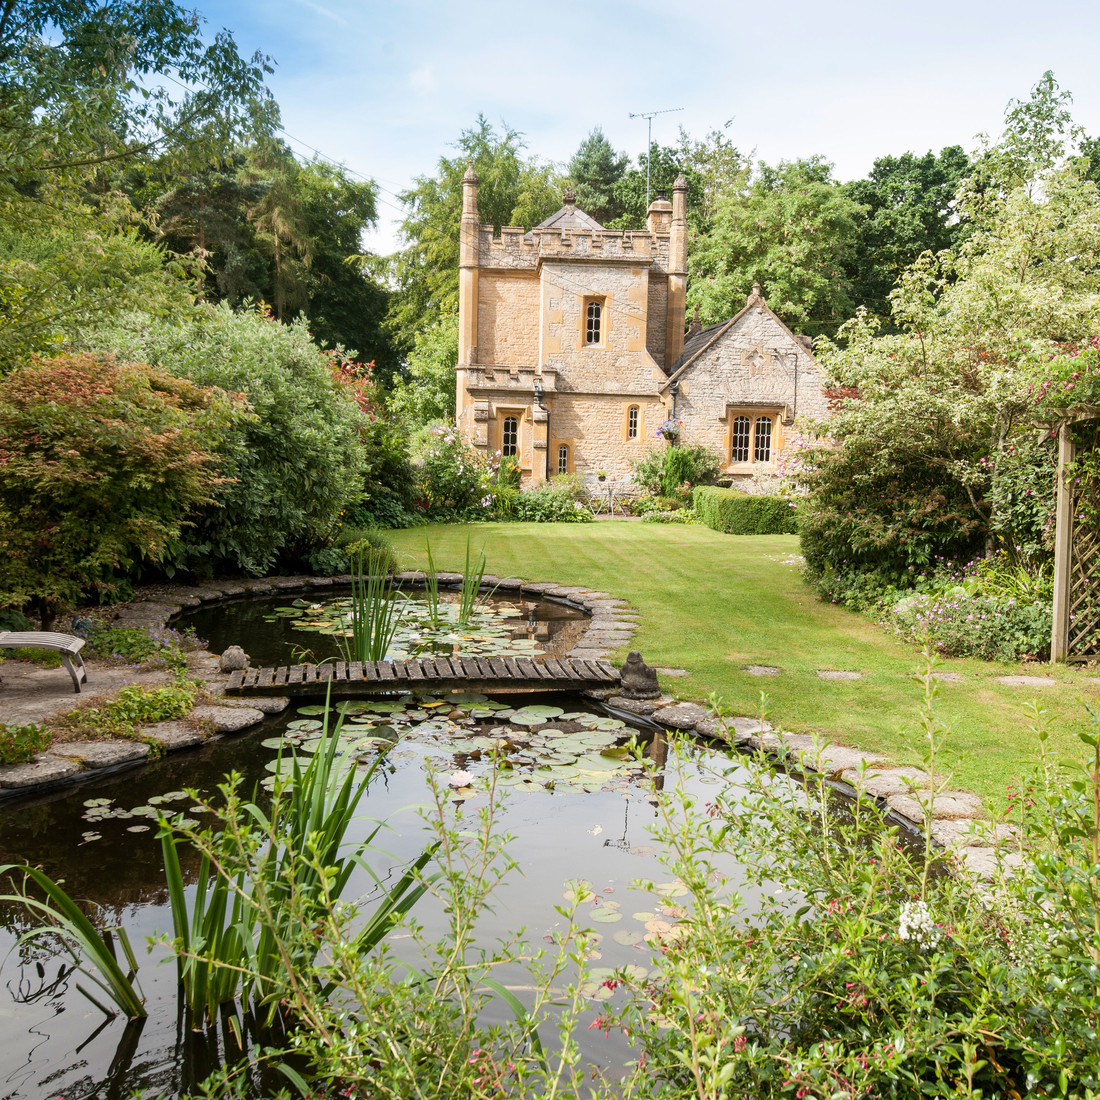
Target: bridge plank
[(236, 678), (385, 671), (609, 670), (280, 675), (427, 665), (400, 670), (295, 675), (498, 667), (526, 668), (265, 678), (309, 674), (355, 671), (470, 669), (324, 673), (340, 670), (415, 671)]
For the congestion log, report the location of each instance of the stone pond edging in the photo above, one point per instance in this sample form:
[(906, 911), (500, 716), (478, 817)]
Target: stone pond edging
[(612, 622)]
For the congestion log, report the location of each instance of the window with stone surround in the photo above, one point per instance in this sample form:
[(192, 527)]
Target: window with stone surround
[(740, 438), (762, 448), (509, 436), (752, 435), (563, 459), (633, 418), (593, 319)]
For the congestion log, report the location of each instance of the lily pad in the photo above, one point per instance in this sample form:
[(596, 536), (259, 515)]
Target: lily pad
[(627, 938), (605, 915)]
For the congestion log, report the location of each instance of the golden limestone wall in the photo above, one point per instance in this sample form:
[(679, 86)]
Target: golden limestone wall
[(508, 318), (594, 427), (657, 318)]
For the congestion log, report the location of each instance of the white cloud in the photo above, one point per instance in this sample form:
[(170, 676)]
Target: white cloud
[(423, 79)]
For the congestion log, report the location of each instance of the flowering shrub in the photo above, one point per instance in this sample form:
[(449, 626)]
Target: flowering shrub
[(559, 500), (1072, 378), (452, 481), (676, 470)]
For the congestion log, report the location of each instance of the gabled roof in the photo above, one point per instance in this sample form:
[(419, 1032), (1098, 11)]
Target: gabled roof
[(569, 217), (701, 341)]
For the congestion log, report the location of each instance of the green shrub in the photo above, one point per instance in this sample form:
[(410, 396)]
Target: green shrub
[(103, 464), (452, 480), (373, 550), (156, 648), (133, 706), (18, 744), (737, 513), (293, 466), (666, 470), (559, 500)]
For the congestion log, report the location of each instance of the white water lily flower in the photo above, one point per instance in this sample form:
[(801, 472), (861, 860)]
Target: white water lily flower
[(461, 779)]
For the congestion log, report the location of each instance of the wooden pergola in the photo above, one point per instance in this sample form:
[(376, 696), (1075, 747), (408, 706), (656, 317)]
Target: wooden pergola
[(1076, 556)]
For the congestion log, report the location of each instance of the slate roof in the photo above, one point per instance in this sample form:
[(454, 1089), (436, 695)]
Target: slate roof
[(697, 343), (569, 217)]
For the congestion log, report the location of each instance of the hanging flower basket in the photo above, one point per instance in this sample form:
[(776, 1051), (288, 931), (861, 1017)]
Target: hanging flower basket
[(671, 431)]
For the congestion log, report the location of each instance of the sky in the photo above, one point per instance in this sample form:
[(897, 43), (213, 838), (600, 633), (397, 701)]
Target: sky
[(386, 88)]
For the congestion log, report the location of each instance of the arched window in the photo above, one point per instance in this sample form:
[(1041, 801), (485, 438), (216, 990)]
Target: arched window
[(509, 436), (762, 452), (563, 459), (593, 317), (632, 417), (739, 449)]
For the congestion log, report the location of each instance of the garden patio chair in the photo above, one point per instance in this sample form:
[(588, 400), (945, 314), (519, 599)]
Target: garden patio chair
[(68, 645)]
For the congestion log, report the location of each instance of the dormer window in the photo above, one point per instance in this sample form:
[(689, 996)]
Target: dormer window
[(593, 332)]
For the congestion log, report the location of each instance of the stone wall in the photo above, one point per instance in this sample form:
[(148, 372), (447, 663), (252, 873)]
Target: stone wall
[(594, 426), (508, 318), (753, 366)]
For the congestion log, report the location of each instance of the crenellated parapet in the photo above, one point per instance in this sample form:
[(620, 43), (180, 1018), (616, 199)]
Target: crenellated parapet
[(514, 248)]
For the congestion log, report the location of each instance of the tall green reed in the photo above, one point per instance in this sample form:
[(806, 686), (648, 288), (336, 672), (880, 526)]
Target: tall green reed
[(375, 612), (471, 595), (431, 589)]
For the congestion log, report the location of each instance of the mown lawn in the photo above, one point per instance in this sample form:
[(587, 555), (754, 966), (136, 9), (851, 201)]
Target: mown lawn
[(714, 603)]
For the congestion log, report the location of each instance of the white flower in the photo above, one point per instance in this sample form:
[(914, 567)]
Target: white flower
[(915, 923), (461, 779)]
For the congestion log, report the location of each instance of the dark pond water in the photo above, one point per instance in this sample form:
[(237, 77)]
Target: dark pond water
[(593, 825), (273, 629)]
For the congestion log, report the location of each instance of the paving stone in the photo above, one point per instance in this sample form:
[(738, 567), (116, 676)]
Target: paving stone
[(258, 588), (233, 588), (143, 623), (639, 706), (184, 596), (201, 593), (542, 588), (618, 606), (682, 716), (883, 784), (948, 677), (837, 674), (151, 607), (44, 768), (510, 583), (569, 591), (321, 582), (982, 862), (609, 639), (600, 693), (975, 834), (762, 670), (228, 719), (269, 704), (833, 760), (598, 622), (672, 671), (409, 576), (101, 754), (449, 578), (1026, 681), (173, 735), (769, 742), (291, 582), (949, 806), (738, 729)]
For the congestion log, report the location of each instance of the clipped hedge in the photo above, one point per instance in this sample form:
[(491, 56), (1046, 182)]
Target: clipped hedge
[(737, 513)]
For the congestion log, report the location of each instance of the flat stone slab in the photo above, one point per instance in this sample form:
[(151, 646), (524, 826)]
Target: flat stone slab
[(682, 716), (174, 735), (764, 670), (837, 674), (833, 760), (949, 677), (229, 719), (510, 583), (672, 671), (740, 729), (101, 754), (883, 784), (1026, 681), (638, 706), (983, 862), (148, 608), (268, 704), (44, 768), (967, 833), (949, 806)]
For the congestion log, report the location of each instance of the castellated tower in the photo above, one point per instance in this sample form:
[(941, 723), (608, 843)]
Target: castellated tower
[(566, 335)]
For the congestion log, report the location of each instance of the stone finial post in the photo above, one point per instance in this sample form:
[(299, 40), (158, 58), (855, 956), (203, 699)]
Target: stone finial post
[(469, 236)]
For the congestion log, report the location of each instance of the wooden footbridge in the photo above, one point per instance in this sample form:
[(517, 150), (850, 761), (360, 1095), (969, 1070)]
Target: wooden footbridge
[(441, 674)]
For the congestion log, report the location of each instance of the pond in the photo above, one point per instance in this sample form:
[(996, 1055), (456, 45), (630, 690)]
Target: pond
[(273, 630), (577, 804)]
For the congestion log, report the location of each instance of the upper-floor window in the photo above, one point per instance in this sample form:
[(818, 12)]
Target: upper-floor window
[(762, 451), (563, 459), (632, 417), (593, 323), (509, 436)]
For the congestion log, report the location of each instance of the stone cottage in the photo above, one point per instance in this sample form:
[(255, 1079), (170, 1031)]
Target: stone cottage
[(572, 352)]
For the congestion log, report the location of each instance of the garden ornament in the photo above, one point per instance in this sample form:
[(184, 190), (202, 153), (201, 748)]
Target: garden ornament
[(637, 679)]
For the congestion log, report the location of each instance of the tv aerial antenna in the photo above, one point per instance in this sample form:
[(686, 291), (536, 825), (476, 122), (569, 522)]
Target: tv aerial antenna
[(649, 141)]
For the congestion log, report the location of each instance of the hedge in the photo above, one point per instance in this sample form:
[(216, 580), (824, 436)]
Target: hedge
[(737, 513)]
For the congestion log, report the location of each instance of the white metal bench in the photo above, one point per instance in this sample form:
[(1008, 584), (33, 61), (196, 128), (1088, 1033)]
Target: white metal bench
[(68, 645)]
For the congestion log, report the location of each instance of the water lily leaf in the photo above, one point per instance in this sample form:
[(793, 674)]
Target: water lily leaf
[(314, 708), (635, 973), (643, 917), (627, 938), (605, 915), (138, 828), (675, 889)]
